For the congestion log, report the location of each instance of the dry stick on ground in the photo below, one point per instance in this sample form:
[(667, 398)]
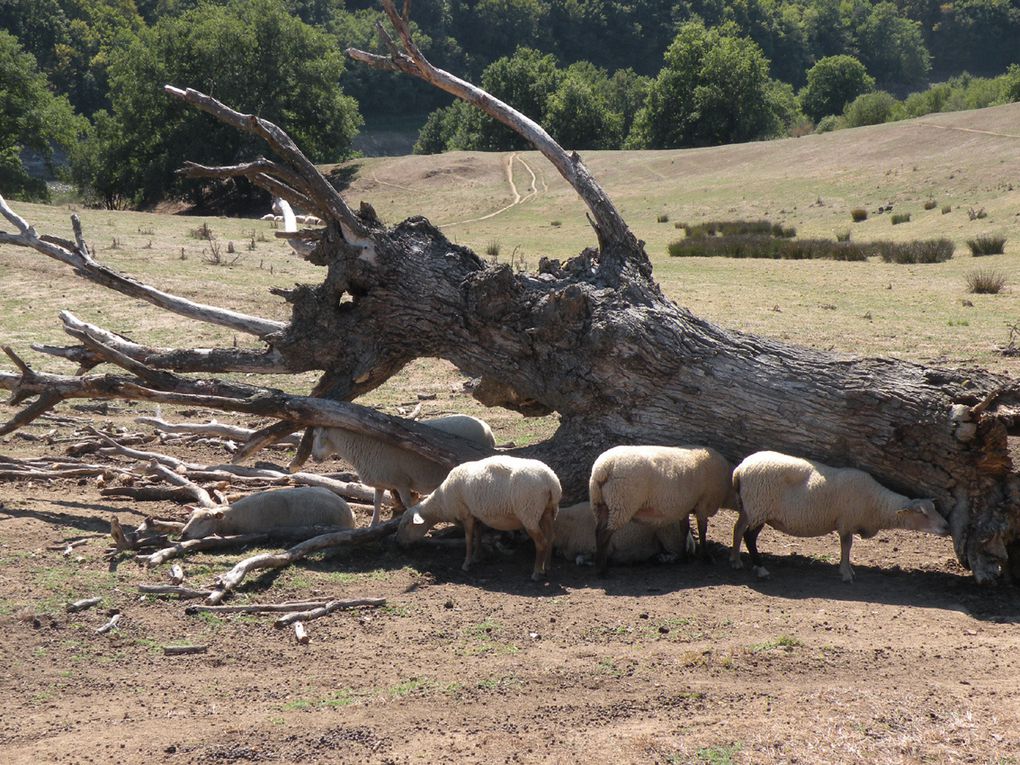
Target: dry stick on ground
[(197, 492), (300, 633), (229, 581), (81, 605), (288, 608), (184, 650), (110, 625), (325, 610), (205, 543), (183, 593)]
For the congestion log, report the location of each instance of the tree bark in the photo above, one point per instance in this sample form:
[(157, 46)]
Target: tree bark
[(592, 339)]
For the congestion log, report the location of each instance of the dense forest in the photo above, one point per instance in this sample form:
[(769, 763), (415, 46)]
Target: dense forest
[(80, 79)]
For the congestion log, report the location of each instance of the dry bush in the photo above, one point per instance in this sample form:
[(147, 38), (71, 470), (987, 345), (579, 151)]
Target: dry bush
[(987, 245), (858, 214), (986, 281)]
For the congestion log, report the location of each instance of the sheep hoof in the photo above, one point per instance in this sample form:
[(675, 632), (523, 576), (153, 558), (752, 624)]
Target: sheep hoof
[(736, 564), (848, 576), (537, 576), (761, 572)]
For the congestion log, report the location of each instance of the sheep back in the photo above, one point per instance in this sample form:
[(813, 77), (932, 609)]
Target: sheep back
[(503, 492), (660, 484), (271, 510), (804, 498), (385, 466), (574, 530)]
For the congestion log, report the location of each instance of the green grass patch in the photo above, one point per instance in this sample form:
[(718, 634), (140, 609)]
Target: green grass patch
[(718, 755), (786, 642), (766, 247)]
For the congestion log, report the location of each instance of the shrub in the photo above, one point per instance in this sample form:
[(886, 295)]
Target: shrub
[(739, 228), (555, 223), (986, 281), (899, 218), (759, 246), (930, 204), (843, 236), (492, 249), (202, 232), (859, 214), (946, 209), (830, 123), (987, 245), (662, 218), (921, 251), (870, 109)]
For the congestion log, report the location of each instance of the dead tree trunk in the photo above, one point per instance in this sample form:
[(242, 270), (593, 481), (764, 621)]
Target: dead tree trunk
[(592, 339)]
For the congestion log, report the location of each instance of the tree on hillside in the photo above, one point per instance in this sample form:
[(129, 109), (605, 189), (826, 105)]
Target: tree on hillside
[(593, 339), (31, 117), (254, 53), (892, 48), (580, 117), (871, 109), (832, 83), (714, 89)]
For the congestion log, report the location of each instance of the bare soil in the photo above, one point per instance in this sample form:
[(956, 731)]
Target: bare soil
[(669, 663)]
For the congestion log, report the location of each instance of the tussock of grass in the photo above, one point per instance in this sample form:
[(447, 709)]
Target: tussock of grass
[(899, 218), (662, 218), (920, 251), (858, 214), (739, 228), (987, 245), (930, 204), (757, 246), (986, 281)]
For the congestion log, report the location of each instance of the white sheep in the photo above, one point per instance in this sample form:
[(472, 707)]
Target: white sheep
[(505, 493), (296, 507), (574, 538), (804, 498), (402, 472), (656, 485)]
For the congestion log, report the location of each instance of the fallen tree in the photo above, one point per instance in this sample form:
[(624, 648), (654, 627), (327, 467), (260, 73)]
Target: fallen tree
[(592, 339)]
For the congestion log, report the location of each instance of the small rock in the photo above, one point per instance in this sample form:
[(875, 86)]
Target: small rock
[(663, 630), (448, 604), (643, 615)]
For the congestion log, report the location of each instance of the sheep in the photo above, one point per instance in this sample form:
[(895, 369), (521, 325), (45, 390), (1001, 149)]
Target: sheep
[(503, 492), (656, 485), (574, 538), (807, 499), (383, 466), (296, 507), (268, 216)]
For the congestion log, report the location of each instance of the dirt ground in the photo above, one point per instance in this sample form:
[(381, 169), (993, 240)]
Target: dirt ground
[(671, 663)]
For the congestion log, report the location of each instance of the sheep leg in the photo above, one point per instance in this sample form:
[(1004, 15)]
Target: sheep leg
[(546, 526), (685, 535), (703, 539), (543, 544), (377, 506), (751, 540), (845, 541), (469, 541), (738, 534), (405, 499), (602, 536)]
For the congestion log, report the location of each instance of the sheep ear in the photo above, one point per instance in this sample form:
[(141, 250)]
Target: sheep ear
[(416, 519)]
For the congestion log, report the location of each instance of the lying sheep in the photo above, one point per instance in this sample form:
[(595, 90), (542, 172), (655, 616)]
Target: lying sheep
[(402, 472), (804, 498), (298, 507), (656, 485), (504, 493), (574, 538)]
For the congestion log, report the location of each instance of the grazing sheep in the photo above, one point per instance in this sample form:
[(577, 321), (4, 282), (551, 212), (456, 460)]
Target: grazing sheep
[(504, 493), (574, 538), (383, 466), (268, 216), (270, 511), (656, 485), (804, 498)]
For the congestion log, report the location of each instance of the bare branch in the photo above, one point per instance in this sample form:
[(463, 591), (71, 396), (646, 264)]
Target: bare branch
[(325, 609), (229, 581), (610, 225), (263, 173), (196, 491), (213, 428), (318, 187), (87, 267), (179, 360)]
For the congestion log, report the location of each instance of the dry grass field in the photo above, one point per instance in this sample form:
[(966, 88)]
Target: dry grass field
[(912, 663)]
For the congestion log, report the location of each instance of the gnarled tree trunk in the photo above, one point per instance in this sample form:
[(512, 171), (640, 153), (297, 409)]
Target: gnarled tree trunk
[(592, 339)]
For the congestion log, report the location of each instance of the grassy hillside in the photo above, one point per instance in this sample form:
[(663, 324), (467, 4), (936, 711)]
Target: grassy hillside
[(966, 160)]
